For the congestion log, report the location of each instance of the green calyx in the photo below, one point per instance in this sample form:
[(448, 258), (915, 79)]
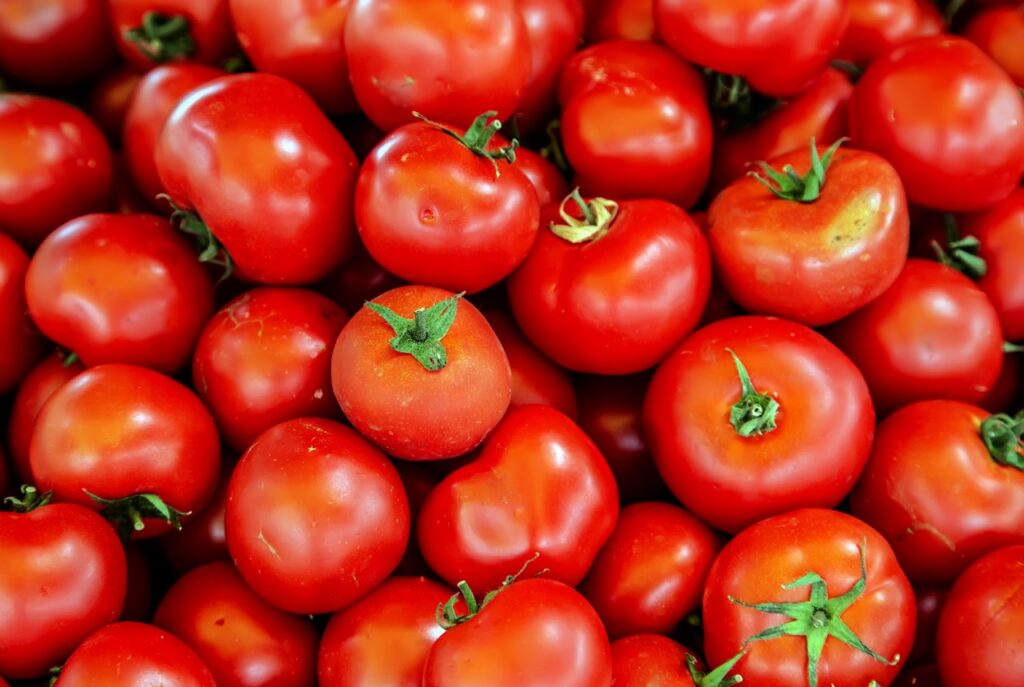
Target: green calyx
[(553, 150), (755, 413), (1002, 436), (210, 249), (817, 619), (960, 253), (719, 677), (420, 336), (128, 514), (29, 501), (447, 616), (162, 37), (789, 185), (598, 215), (478, 136)]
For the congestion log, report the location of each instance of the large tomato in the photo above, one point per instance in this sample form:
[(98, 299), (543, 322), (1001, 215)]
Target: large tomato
[(878, 26), (22, 345), (109, 100), (999, 31), (554, 29), (149, 32)]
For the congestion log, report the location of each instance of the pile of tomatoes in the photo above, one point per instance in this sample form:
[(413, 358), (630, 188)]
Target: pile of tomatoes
[(526, 343)]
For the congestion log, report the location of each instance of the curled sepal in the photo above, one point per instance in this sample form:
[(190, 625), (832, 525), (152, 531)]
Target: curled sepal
[(789, 185), (210, 249), (754, 413), (478, 136), (719, 677), (598, 214), (162, 37), (447, 616), (1002, 436), (960, 253), (54, 673), (29, 501), (420, 336), (129, 513), (553, 150)]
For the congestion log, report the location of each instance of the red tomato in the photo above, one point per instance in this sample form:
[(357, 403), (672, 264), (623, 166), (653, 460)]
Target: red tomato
[(109, 99), (150, 305), (430, 381), (63, 576), (932, 334), (554, 29), (533, 633), (22, 345), (56, 166), (359, 280), (615, 292), (980, 628), (539, 486), (383, 639), (779, 46), (833, 579), (316, 516), (445, 59), (999, 31), (948, 119), (799, 428), (653, 660), (419, 480), (878, 26), (651, 572), (279, 196), (153, 31), (447, 208), (929, 606), (922, 449), (201, 539), (140, 441), (631, 20), (546, 178)]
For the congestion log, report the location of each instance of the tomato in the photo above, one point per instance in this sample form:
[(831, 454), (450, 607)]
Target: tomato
[(383, 639), (421, 373), (554, 30), (999, 31), (922, 449), (141, 442), (779, 46), (447, 208), (612, 293), (631, 20), (1007, 388), (533, 633), (635, 123), (201, 540), (948, 119), (929, 606), (813, 250), (134, 655), (539, 486), (878, 26), (546, 178), (279, 197), (651, 572), (56, 166), (650, 660), (63, 575), (833, 579), (932, 334), (756, 416), (359, 280), (22, 345), (153, 31), (54, 43), (109, 99), (316, 516), (150, 305), (980, 628), (440, 58), (300, 40)]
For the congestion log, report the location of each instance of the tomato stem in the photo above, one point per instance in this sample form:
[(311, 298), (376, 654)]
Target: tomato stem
[(211, 250), (420, 336), (719, 677), (446, 615), (598, 215), (1002, 436), (478, 136), (789, 185), (553, 150), (162, 37), (128, 514), (960, 253), (29, 501), (754, 413)]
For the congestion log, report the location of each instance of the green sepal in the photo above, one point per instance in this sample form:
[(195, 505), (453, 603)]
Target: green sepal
[(128, 514), (960, 253), (1009, 348), (211, 250), (54, 674), (162, 37), (478, 136), (598, 215), (719, 677), (1002, 436), (789, 185), (448, 617), (553, 150), (30, 500), (755, 413), (420, 336)]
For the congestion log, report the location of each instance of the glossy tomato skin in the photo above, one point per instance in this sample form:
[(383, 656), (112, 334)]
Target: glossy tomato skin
[(536, 632), (279, 194), (817, 262), (779, 46), (59, 162), (824, 426), (546, 178), (209, 23), (918, 107), (316, 516), (22, 345), (202, 540), (999, 31), (109, 99), (620, 302), (384, 638), (63, 576), (878, 26), (978, 641), (300, 40), (932, 334), (407, 410), (445, 60), (776, 551), (539, 485), (150, 305), (434, 212), (554, 29), (920, 450), (651, 572), (649, 659)]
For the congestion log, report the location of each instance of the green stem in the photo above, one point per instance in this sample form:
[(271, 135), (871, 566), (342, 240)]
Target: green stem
[(448, 617), (960, 253), (211, 250), (719, 677), (789, 185), (598, 215), (129, 513), (30, 500), (1002, 436), (478, 136), (553, 150), (755, 413), (162, 37), (420, 335)]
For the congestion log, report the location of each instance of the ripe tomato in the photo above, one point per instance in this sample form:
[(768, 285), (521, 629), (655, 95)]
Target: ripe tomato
[(316, 516), (22, 345), (201, 540), (359, 280), (109, 99), (948, 119), (653, 660), (56, 166), (421, 373), (554, 29), (999, 31), (151, 32), (279, 196), (442, 58), (631, 20), (852, 625), (546, 178), (932, 334), (878, 26)]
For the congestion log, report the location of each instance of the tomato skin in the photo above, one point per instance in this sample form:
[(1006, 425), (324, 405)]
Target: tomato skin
[(631, 20), (535, 633), (109, 100), (413, 55), (999, 31), (932, 334), (209, 23), (918, 108), (929, 608), (383, 639), (280, 195), (63, 576), (776, 551), (62, 171), (295, 530), (546, 178), (22, 345), (554, 30), (649, 660), (878, 26), (651, 572), (979, 635), (538, 485)]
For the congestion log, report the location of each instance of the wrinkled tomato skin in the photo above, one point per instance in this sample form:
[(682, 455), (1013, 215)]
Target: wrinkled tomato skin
[(554, 29), (646, 660), (999, 31), (630, 20), (22, 346), (202, 540), (878, 26), (546, 178), (209, 23), (109, 100)]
